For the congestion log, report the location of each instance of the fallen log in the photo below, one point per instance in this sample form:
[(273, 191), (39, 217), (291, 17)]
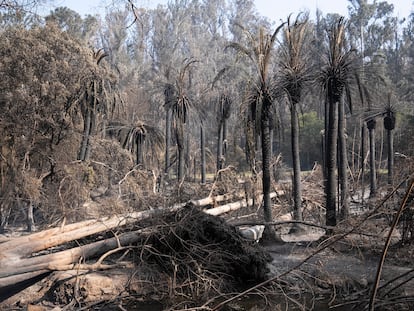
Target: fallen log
[(70, 256), (16, 265), (235, 205), (219, 198), (24, 246), (17, 262), (226, 197)]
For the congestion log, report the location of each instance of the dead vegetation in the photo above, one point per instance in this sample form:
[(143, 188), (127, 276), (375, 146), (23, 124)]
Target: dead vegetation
[(162, 249)]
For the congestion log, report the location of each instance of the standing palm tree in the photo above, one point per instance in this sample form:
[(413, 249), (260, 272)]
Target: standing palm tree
[(335, 77), (223, 114), (295, 73), (389, 125), (139, 137), (170, 97), (180, 106), (259, 52), (96, 98)]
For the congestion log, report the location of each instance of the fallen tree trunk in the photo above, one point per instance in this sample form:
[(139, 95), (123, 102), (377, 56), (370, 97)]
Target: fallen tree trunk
[(226, 197), (22, 269), (235, 205), (15, 266), (17, 262), (26, 245), (219, 198)]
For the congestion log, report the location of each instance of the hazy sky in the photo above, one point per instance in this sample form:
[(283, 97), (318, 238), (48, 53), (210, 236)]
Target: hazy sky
[(273, 9)]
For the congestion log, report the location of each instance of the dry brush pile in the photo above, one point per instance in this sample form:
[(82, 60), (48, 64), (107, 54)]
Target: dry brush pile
[(179, 256)]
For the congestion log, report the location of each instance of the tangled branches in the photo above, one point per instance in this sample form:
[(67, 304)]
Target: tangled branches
[(203, 254)]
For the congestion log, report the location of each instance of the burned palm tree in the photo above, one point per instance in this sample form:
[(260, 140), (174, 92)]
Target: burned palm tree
[(178, 102), (145, 140), (336, 77), (260, 102), (96, 97), (169, 100), (223, 107), (295, 75), (389, 125)]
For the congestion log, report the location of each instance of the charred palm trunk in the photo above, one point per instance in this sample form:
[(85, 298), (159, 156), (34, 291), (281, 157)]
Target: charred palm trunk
[(169, 101), (390, 151), (266, 159), (331, 157), (92, 131), (224, 139), (180, 150), (389, 124), (220, 136), (325, 139), (296, 185), (89, 121), (139, 151), (343, 161), (85, 136), (372, 169)]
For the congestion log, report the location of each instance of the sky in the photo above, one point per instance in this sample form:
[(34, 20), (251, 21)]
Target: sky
[(275, 10)]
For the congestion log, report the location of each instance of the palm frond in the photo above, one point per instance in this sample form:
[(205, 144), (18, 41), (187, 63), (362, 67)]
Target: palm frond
[(240, 49), (128, 134), (99, 55), (295, 64)]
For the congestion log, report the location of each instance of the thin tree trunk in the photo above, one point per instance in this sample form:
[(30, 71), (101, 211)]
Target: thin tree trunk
[(167, 139), (363, 134), (30, 219), (181, 150), (296, 185), (220, 147), (390, 149), (203, 155), (224, 141), (331, 159), (187, 157), (372, 168), (85, 136), (343, 161), (139, 151)]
